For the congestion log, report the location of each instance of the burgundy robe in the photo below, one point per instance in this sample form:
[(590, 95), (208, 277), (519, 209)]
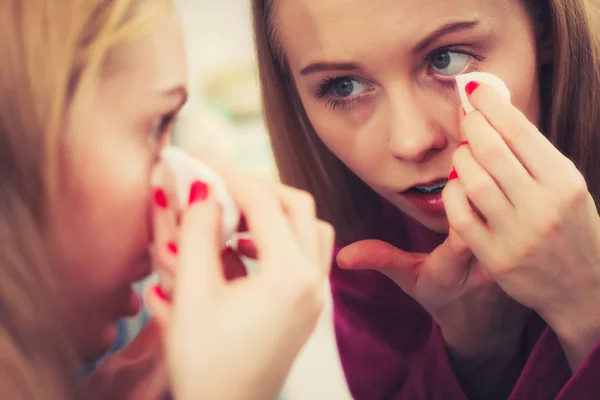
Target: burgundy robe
[(391, 348)]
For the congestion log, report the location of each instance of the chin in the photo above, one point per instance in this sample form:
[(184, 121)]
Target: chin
[(97, 344), (436, 224)]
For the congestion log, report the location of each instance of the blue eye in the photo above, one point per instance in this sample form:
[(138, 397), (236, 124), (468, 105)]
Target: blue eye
[(449, 63), (348, 87)]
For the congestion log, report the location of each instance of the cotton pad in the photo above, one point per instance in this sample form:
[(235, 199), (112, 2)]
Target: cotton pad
[(187, 169), (482, 77)]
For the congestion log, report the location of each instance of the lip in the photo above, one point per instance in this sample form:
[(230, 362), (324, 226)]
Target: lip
[(431, 204)]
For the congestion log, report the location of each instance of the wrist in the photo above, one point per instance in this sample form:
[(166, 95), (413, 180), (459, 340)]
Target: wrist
[(578, 334)]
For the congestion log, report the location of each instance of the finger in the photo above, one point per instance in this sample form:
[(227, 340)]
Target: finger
[(200, 271), (158, 305), (494, 155), (301, 210), (326, 242), (398, 265), (464, 220), (268, 224), (448, 264), (481, 188), (528, 144), (164, 218)]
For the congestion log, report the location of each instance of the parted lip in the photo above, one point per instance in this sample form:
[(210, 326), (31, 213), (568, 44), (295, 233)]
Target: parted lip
[(428, 183)]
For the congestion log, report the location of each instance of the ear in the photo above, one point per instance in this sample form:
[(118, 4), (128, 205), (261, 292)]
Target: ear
[(542, 18)]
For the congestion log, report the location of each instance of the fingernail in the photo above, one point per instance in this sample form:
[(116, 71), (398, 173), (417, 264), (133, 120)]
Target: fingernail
[(470, 87), (160, 198), (463, 143), (464, 112), (245, 242), (172, 247), (198, 192), (160, 293), (453, 175)]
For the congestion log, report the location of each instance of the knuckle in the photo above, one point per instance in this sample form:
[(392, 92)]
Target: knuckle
[(513, 133), (327, 231), (305, 201), (307, 291), (490, 152), (529, 249), (550, 225), (461, 222), (577, 190), (501, 265), (479, 189)]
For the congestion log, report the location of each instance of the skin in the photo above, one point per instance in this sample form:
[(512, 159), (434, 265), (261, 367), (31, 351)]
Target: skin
[(100, 235), (387, 112), (386, 132)]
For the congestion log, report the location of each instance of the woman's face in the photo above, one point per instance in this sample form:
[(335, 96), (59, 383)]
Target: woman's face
[(376, 81), (102, 230)]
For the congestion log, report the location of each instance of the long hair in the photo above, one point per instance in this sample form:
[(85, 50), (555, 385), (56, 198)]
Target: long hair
[(52, 54), (571, 114)]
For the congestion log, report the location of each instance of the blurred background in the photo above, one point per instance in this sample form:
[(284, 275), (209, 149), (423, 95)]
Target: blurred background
[(222, 118)]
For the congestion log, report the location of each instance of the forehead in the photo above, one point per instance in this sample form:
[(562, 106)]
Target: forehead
[(156, 61), (340, 29)]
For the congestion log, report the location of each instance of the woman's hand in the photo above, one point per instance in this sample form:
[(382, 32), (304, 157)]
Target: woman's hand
[(452, 286), (237, 338), (481, 326), (136, 372), (540, 233)]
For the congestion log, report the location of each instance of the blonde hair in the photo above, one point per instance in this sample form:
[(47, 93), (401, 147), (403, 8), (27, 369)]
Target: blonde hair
[(52, 54), (571, 110)]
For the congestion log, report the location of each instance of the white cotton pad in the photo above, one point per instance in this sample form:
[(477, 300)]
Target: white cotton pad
[(482, 77), (187, 169)]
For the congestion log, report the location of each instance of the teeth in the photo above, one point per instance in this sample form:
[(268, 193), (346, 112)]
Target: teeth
[(431, 188)]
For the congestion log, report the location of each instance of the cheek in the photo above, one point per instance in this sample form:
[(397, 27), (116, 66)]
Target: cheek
[(105, 222), (350, 134)]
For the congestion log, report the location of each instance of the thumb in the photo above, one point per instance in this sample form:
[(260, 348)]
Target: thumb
[(448, 264), (400, 266), (148, 340)]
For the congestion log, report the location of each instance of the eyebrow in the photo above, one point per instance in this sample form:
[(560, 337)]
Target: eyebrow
[(179, 91), (444, 30), (325, 66)]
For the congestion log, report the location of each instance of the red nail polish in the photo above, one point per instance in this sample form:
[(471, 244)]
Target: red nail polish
[(453, 175), (198, 192), (160, 198), (245, 242), (160, 293), (464, 112), (463, 143), (172, 247), (470, 87)]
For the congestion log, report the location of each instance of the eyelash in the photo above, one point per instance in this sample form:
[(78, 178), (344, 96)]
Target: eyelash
[(451, 84), (163, 127), (324, 91)]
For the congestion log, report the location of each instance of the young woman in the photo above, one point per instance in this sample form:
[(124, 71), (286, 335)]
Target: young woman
[(89, 92), (491, 283)]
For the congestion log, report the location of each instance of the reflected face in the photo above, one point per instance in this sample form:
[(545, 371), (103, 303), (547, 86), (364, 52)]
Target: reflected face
[(101, 233), (376, 79)]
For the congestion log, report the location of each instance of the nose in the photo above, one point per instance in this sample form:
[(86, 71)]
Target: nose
[(414, 134)]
